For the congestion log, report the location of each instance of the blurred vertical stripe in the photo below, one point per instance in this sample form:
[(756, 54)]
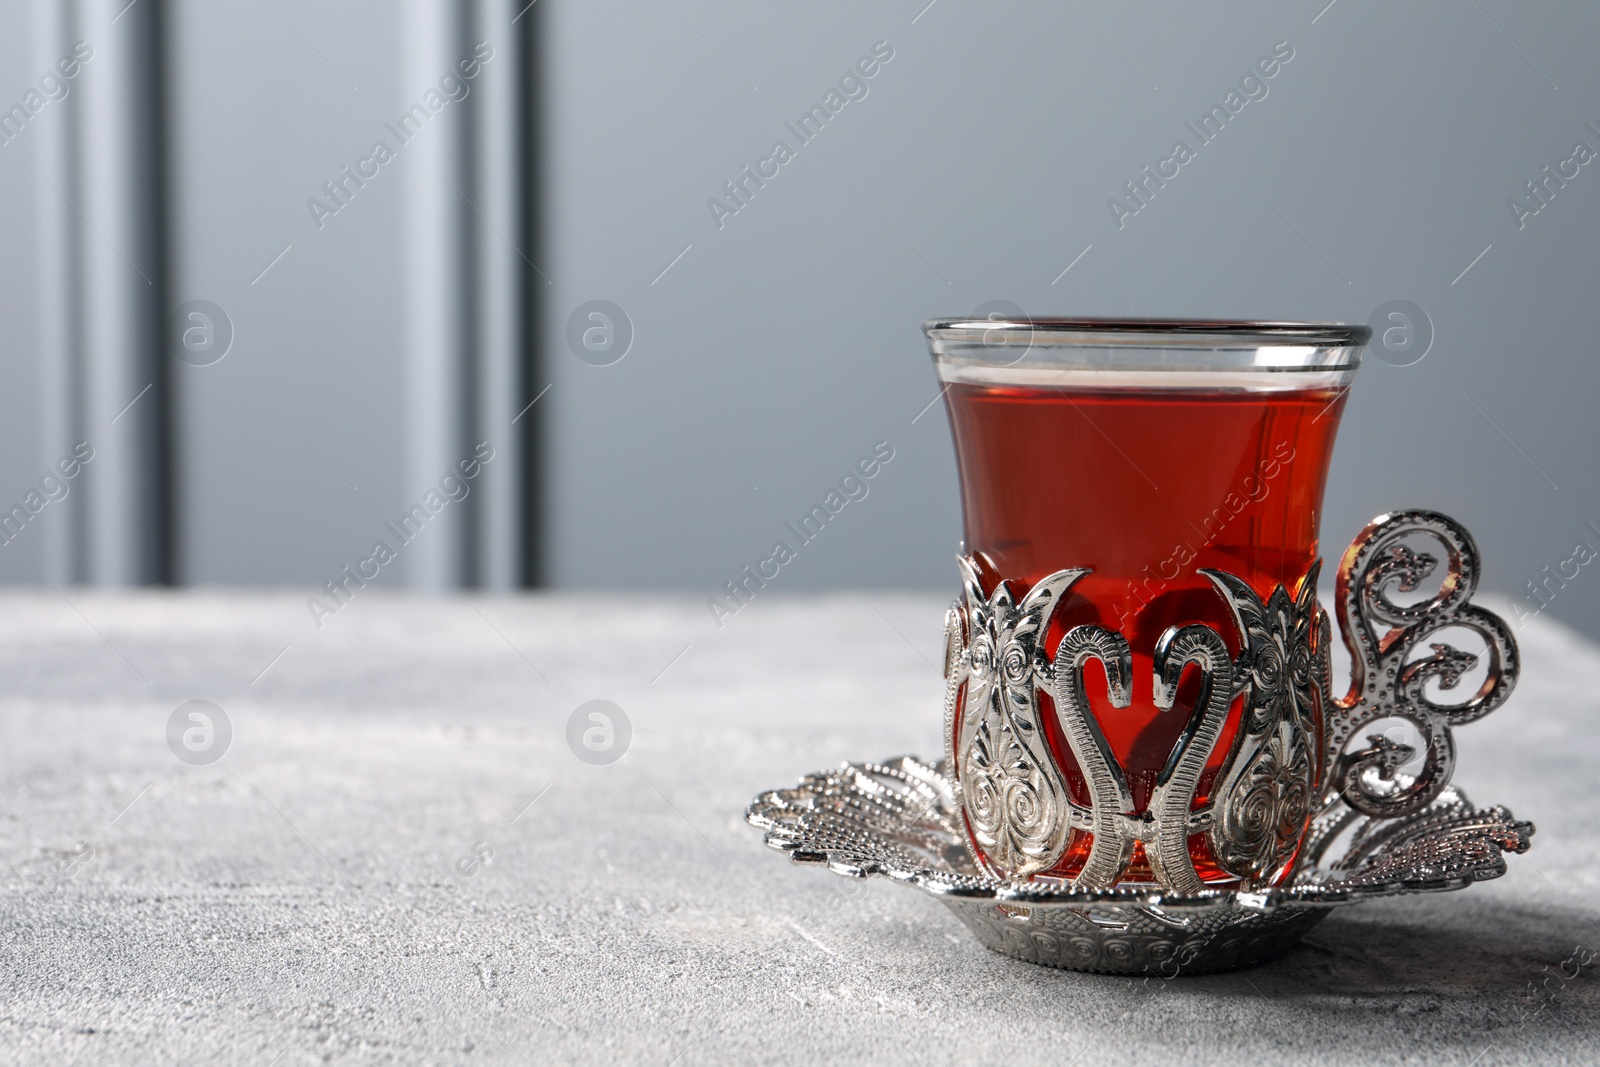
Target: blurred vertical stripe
[(464, 339), (103, 261), (107, 255), (437, 261)]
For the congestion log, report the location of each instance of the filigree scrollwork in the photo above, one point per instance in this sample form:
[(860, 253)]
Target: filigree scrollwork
[(1111, 812), (1167, 843), (1383, 635), (1018, 808), (1287, 760), (1015, 797), (899, 819), (1271, 777)]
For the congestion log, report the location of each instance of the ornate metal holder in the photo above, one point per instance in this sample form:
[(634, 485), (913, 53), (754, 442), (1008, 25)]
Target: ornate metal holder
[(1297, 823)]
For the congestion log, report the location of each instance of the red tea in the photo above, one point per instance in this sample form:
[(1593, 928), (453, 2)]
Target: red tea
[(1146, 486)]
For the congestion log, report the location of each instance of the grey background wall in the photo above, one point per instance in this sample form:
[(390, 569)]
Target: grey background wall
[(21, 429), (979, 167), (371, 349), (770, 351), (262, 119)]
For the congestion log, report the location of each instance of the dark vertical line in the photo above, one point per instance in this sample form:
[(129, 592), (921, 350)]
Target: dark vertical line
[(531, 161), (164, 526)]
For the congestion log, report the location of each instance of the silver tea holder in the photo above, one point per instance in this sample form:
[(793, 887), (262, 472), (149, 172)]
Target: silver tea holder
[(1299, 822)]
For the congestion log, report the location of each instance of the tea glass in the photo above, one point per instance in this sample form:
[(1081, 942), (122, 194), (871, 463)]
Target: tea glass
[(1138, 665)]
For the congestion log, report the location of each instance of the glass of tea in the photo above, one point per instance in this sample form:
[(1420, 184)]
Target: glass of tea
[(1139, 482)]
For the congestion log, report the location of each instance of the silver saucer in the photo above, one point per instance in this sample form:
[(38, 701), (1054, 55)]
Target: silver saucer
[(900, 819)]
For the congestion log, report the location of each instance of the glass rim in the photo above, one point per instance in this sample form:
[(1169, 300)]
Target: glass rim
[(1153, 333)]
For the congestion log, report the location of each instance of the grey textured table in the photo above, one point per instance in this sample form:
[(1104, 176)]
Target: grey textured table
[(399, 859)]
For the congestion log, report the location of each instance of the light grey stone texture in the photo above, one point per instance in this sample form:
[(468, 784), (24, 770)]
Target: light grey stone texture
[(319, 894)]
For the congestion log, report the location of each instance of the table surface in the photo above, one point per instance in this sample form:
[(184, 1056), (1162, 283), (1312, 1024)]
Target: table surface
[(399, 858)]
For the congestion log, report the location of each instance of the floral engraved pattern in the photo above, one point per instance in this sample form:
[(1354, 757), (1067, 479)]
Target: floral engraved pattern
[(1013, 807), (1265, 800), (1267, 807), (1013, 794), (1288, 758)]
